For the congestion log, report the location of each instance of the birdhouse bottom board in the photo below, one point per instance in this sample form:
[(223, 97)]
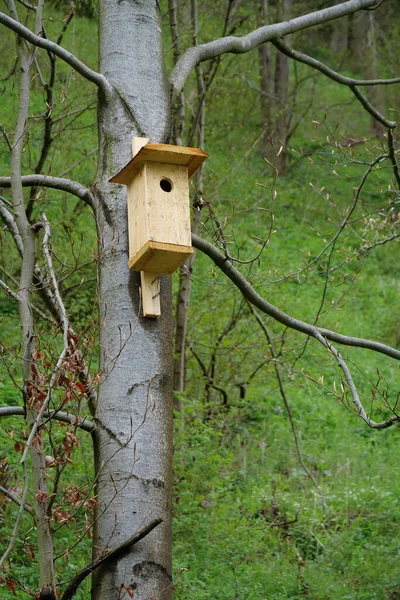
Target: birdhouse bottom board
[(159, 257)]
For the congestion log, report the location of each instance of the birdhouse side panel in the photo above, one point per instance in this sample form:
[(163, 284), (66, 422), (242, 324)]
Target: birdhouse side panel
[(168, 211), (137, 213)]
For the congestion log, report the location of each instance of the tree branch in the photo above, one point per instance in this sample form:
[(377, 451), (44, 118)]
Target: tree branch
[(41, 286), (251, 295), (353, 390), (18, 519), (57, 183), (85, 424), (287, 406), (118, 551), (17, 298), (318, 333), (392, 155), (14, 498), (59, 51), (338, 78), (65, 324), (235, 45)]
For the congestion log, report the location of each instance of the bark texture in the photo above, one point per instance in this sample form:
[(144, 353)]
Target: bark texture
[(133, 444)]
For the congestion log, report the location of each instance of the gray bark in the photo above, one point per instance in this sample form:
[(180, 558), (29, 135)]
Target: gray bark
[(274, 88), (376, 92), (133, 439), (185, 278), (266, 86)]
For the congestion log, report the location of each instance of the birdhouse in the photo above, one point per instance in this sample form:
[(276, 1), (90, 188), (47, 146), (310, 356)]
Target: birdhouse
[(159, 229)]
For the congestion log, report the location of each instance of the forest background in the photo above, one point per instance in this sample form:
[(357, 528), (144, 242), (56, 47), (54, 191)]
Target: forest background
[(280, 492)]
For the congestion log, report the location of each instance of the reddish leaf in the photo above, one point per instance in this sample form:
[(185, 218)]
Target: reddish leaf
[(80, 387)]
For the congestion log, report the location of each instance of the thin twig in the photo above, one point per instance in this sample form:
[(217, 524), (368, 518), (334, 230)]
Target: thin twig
[(65, 323), (14, 498), (288, 407), (25, 33), (18, 519)]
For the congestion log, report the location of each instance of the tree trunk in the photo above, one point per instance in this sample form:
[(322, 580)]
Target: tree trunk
[(376, 93), (133, 443), (274, 89), (266, 87), (281, 113), (185, 277)]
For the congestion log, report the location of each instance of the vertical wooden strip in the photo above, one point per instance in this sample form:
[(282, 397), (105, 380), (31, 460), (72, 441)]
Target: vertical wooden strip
[(150, 283)]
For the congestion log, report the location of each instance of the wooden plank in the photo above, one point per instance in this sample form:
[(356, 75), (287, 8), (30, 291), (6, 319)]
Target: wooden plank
[(184, 156), (150, 285), (159, 257), (137, 213), (137, 144), (168, 212)]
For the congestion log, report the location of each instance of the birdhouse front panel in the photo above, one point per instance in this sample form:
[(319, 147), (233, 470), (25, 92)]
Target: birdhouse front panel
[(159, 218), (168, 209)]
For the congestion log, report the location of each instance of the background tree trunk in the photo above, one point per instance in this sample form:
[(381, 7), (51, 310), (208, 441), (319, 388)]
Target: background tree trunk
[(266, 86), (274, 89)]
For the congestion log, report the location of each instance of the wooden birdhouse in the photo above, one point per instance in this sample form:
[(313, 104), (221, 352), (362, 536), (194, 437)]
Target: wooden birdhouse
[(159, 229)]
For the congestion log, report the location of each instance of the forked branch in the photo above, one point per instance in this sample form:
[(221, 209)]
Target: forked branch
[(65, 325), (259, 302), (236, 45), (353, 84), (324, 336), (59, 51)]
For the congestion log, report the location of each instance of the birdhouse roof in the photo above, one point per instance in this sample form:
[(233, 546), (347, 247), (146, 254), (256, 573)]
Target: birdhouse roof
[(165, 154)]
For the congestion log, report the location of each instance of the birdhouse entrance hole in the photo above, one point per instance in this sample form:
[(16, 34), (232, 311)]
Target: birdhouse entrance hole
[(166, 185)]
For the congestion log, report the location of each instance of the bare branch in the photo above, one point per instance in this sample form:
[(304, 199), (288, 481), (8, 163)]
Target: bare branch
[(11, 224), (338, 78), (14, 498), (316, 64), (392, 155), (18, 411), (57, 183), (236, 45), (27, 5), (41, 286), (371, 109), (18, 519), (65, 55), (254, 298), (118, 551), (17, 298), (38, 419), (320, 334), (353, 390), (287, 406)]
